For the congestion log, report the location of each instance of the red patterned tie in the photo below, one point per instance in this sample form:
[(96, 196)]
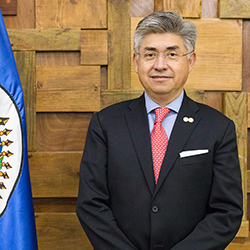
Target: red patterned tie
[(159, 140)]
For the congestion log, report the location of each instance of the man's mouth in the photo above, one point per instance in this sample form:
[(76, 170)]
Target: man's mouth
[(160, 77)]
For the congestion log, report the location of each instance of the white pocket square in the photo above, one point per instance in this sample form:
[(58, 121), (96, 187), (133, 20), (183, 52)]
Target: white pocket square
[(193, 152)]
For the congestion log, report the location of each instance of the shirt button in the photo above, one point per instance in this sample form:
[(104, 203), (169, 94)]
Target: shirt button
[(155, 209)]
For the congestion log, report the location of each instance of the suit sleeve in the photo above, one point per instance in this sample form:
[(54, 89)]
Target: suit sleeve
[(93, 200), (222, 222)]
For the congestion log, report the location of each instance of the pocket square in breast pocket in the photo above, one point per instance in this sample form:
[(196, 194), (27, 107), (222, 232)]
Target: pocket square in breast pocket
[(193, 152)]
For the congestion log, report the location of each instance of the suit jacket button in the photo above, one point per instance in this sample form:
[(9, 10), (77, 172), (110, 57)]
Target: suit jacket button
[(155, 209)]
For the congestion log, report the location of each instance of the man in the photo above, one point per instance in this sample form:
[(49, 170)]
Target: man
[(131, 196)]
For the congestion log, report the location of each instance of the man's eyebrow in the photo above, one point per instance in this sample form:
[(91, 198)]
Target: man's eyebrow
[(173, 47), (168, 48), (150, 48)]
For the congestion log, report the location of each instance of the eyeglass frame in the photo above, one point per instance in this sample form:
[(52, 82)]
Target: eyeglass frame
[(164, 55)]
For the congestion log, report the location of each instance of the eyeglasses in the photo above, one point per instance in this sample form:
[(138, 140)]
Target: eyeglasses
[(151, 56)]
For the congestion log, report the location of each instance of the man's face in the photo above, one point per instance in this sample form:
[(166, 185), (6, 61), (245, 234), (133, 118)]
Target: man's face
[(161, 78)]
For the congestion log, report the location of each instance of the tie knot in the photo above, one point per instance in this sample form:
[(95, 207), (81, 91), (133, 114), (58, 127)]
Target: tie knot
[(160, 114)]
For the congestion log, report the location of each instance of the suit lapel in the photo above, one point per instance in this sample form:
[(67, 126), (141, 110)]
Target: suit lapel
[(137, 122), (180, 134)]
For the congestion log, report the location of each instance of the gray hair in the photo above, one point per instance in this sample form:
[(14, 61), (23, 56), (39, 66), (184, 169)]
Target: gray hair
[(165, 22)]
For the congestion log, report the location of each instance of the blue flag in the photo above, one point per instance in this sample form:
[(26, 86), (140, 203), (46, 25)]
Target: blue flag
[(17, 221)]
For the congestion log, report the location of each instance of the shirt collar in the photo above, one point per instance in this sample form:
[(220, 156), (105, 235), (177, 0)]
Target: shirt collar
[(175, 105)]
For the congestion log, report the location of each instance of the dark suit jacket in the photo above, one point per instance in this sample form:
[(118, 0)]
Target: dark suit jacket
[(197, 203)]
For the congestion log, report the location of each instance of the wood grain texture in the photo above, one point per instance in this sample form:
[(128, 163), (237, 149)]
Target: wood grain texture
[(187, 8), (62, 131), (141, 8), (104, 77), (118, 44), (158, 5), (54, 174), (198, 96), (45, 40), (8, 7), (239, 244), (214, 100), (68, 89), (109, 97), (25, 18), (54, 205), (234, 8), (248, 181), (248, 106), (210, 9), (26, 65), (219, 43), (248, 153), (248, 205), (235, 107), (89, 14), (243, 230), (58, 58), (246, 57), (60, 231), (94, 47)]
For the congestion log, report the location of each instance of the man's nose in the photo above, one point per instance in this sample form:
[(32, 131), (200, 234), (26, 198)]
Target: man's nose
[(160, 62)]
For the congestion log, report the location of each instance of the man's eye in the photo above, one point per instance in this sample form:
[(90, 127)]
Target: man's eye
[(149, 55), (172, 55)]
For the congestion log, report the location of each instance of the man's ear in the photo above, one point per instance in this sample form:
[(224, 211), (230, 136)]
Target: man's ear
[(135, 61), (192, 60)]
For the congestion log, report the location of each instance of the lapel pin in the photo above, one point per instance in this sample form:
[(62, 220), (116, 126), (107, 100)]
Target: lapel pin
[(190, 119)]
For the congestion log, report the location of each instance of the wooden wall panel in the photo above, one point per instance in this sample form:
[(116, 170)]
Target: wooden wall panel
[(239, 244), (219, 43), (234, 9), (235, 107), (243, 230), (187, 8), (119, 47), (55, 205), (89, 14), (246, 57), (209, 9), (26, 65), (248, 182), (158, 5), (59, 58), (109, 97), (140, 8), (54, 174), (59, 231), (61, 131), (25, 18), (94, 47), (198, 96), (214, 100), (45, 40), (8, 7), (248, 124), (68, 89)]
